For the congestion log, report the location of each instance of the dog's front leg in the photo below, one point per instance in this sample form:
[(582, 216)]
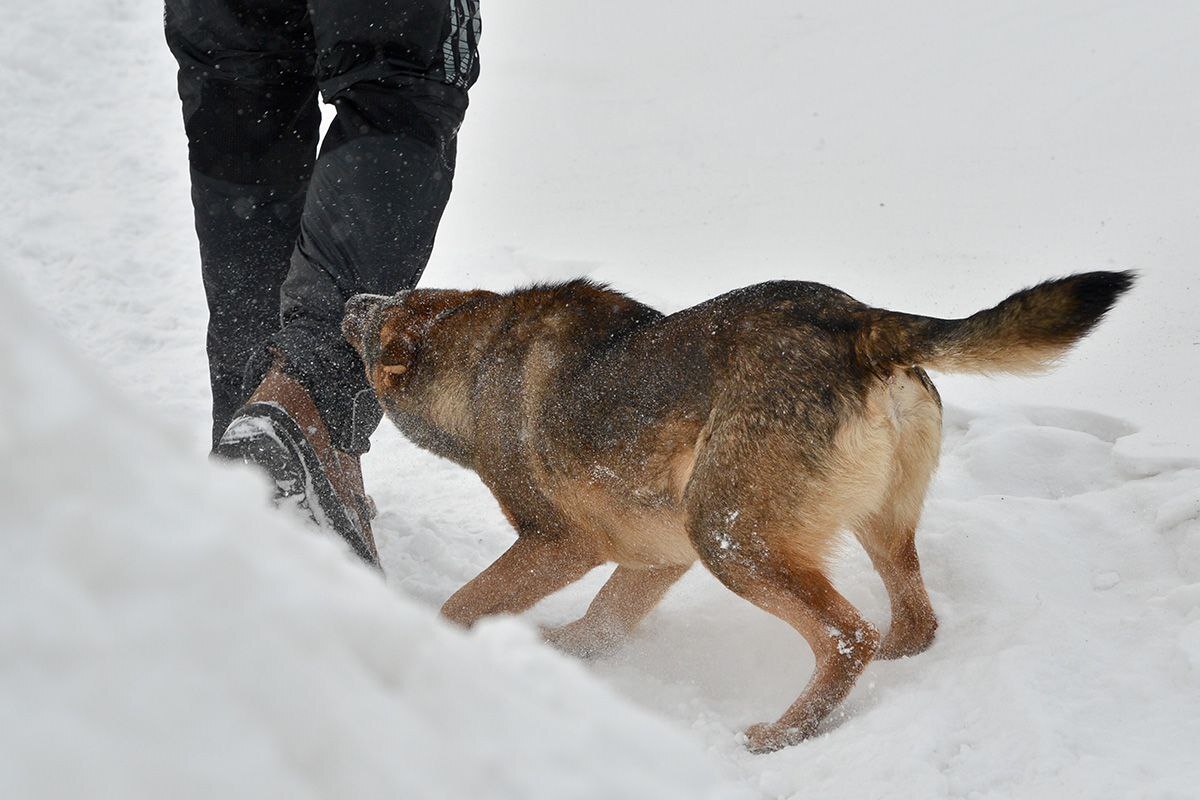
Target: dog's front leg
[(624, 601), (533, 568)]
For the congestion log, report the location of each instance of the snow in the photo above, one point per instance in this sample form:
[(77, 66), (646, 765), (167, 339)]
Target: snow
[(161, 631)]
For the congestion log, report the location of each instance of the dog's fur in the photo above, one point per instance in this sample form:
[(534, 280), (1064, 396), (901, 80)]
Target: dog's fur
[(746, 432)]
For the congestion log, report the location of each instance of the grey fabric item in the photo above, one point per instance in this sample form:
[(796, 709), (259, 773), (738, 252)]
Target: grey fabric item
[(287, 237)]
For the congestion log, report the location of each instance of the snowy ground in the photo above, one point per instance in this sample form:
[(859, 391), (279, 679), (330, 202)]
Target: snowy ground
[(159, 631)]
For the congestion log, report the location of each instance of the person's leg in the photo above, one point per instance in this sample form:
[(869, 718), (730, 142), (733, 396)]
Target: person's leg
[(248, 85), (246, 79), (397, 72)]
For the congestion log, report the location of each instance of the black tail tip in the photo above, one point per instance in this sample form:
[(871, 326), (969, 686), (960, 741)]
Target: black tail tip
[(1097, 292)]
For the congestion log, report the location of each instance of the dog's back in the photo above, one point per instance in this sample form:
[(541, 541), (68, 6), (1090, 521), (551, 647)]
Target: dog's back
[(773, 417)]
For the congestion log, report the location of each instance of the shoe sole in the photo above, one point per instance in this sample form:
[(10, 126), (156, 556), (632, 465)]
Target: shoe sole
[(264, 435)]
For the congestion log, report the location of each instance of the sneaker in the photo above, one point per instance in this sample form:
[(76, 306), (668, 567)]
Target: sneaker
[(328, 490)]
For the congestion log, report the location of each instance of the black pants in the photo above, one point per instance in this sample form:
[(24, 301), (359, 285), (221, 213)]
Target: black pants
[(287, 236)]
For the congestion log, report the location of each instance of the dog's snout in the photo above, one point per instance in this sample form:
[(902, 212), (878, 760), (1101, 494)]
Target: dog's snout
[(361, 304), (358, 308)]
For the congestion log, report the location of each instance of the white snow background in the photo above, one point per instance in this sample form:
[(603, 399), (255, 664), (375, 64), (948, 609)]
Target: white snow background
[(163, 633)]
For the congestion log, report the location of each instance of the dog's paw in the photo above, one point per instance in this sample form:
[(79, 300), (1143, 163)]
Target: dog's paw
[(907, 640), (767, 737), (582, 640)]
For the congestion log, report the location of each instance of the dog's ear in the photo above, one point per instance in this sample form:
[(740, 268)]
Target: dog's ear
[(397, 350), (410, 321)]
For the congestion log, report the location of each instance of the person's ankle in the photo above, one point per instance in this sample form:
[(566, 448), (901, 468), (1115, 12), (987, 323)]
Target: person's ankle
[(343, 468), (285, 391)]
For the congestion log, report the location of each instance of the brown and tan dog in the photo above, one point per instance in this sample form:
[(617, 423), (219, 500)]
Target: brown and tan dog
[(746, 432)]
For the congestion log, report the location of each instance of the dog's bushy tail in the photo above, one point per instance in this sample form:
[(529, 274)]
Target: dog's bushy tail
[(1025, 333)]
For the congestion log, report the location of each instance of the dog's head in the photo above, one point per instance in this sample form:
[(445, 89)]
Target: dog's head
[(396, 336)]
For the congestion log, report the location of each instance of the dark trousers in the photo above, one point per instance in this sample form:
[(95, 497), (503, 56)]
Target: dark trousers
[(287, 235)]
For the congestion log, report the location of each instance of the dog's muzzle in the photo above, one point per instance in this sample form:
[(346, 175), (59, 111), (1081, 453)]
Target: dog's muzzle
[(358, 312)]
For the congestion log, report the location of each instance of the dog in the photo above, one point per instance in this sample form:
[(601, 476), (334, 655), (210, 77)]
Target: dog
[(746, 432)]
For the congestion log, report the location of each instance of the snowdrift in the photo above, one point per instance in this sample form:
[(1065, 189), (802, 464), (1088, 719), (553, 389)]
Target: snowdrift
[(164, 634)]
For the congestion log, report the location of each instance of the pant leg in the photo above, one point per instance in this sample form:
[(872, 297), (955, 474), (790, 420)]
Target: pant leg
[(397, 73), (246, 79)]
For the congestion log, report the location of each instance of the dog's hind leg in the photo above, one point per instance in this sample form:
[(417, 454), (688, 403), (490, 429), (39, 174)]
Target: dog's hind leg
[(893, 551), (755, 555), (624, 601), (533, 568), (842, 641), (889, 534)]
